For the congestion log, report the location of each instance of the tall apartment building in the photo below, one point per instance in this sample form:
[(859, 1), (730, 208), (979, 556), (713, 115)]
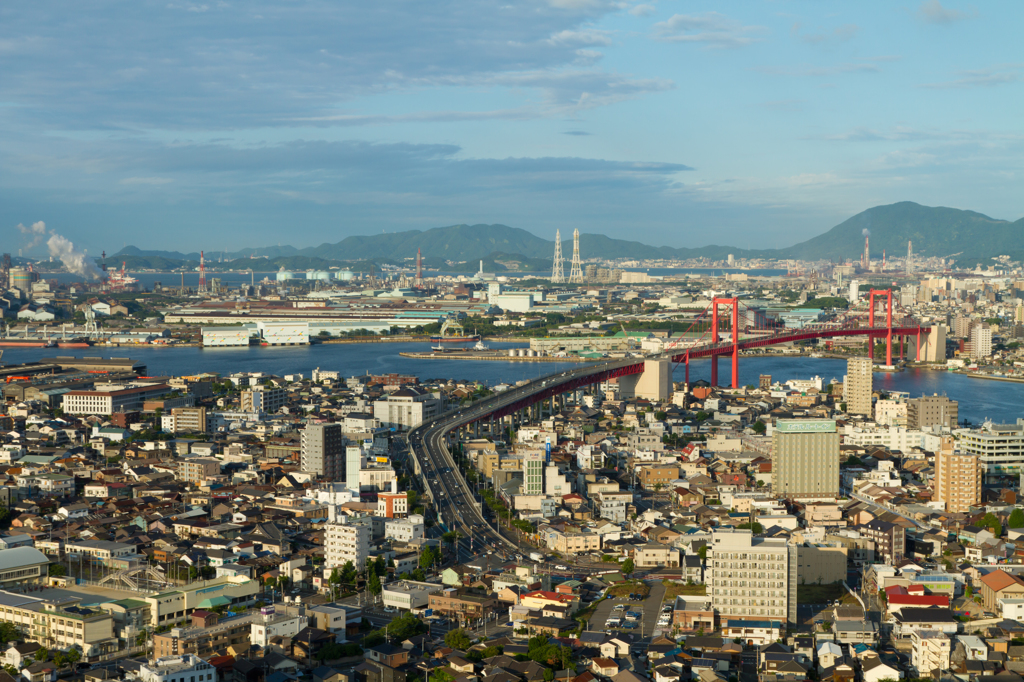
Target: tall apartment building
[(750, 577), (857, 387), (347, 540), (323, 451), (932, 410), (262, 399), (962, 326), (981, 340), (805, 458), (957, 480), (197, 469), (533, 472), (186, 419)]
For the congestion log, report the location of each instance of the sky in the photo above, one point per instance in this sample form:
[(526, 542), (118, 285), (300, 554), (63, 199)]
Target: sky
[(211, 125)]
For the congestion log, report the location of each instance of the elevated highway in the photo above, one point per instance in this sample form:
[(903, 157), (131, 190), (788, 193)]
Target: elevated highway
[(453, 498)]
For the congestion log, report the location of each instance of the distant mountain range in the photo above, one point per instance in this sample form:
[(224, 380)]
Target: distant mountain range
[(935, 231)]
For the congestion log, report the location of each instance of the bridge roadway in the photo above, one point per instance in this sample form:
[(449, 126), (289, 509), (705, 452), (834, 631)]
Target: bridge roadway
[(454, 499)]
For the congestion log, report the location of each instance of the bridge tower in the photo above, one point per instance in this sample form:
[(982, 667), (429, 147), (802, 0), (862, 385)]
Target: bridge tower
[(887, 293), (735, 303)]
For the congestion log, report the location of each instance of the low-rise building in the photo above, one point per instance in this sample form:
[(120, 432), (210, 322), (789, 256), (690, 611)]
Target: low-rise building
[(177, 669), (408, 594)]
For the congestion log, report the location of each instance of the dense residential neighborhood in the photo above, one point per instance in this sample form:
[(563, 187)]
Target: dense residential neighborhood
[(263, 527)]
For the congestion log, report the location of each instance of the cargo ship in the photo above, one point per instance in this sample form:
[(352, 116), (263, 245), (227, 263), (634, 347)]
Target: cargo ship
[(17, 342), (77, 342)]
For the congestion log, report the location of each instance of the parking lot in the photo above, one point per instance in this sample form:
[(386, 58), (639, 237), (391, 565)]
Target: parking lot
[(649, 607)]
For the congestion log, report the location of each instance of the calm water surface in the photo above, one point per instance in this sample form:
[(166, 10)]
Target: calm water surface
[(979, 399)]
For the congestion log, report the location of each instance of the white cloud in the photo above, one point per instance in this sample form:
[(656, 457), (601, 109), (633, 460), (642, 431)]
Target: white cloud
[(710, 29), (642, 10), (583, 37), (932, 12), (979, 78)]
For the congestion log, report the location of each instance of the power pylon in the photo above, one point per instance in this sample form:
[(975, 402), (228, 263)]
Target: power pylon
[(576, 274), (557, 271)]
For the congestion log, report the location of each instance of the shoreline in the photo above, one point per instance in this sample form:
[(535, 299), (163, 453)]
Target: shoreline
[(989, 377), (493, 357)]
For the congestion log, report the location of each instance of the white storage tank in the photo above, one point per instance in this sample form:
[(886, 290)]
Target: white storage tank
[(345, 275), (284, 276), (511, 352), (318, 274)]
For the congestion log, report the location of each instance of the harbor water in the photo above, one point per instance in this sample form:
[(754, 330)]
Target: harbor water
[(979, 399)]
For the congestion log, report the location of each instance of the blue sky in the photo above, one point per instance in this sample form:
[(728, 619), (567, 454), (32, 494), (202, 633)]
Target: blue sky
[(220, 125)]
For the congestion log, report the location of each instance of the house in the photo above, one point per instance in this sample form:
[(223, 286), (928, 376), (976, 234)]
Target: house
[(605, 667), (753, 632), (935, 619), (390, 655), (42, 671), (17, 654), (1000, 585), (874, 670)]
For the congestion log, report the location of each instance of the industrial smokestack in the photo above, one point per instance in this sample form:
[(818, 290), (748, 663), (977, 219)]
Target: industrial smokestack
[(75, 261), (865, 261)]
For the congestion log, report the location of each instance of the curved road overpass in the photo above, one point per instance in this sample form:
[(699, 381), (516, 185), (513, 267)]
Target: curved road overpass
[(453, 498)]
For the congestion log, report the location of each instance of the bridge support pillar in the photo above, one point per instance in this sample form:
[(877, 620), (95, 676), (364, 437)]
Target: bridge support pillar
[(888, 337), (735, 343), (714, 341), (919, 344)]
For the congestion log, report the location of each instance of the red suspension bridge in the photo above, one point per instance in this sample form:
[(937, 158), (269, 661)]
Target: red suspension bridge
[(740, 328)]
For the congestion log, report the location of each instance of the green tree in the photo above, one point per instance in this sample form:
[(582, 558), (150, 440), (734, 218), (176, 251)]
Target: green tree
[(703, 552), (59, 660), (348, 573), (439, 675), (56, 570), (1016, 519), (427, 557), (991, 521), (755, 527), (373, 584), (73, 656), (628, 567), (12, 671), (549, 675), (380, 566), (42, 654), (759, 427), (458, 639), (9, 632)]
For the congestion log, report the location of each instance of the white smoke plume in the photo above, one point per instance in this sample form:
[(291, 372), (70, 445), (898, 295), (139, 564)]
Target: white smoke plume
[(37, 232), (865, 232), (75, 261)]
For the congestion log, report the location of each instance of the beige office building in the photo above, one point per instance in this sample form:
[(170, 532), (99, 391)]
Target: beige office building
[(805, 458), (857, 387), (957, 480), (932, 410)]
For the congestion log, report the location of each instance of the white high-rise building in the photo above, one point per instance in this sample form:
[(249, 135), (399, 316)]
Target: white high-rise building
[(347, 540), (854, 294), (749, 577), (981, 340)]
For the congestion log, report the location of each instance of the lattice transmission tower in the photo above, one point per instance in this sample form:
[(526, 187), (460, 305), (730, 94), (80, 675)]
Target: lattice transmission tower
[(576, 274), (557, 270)]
